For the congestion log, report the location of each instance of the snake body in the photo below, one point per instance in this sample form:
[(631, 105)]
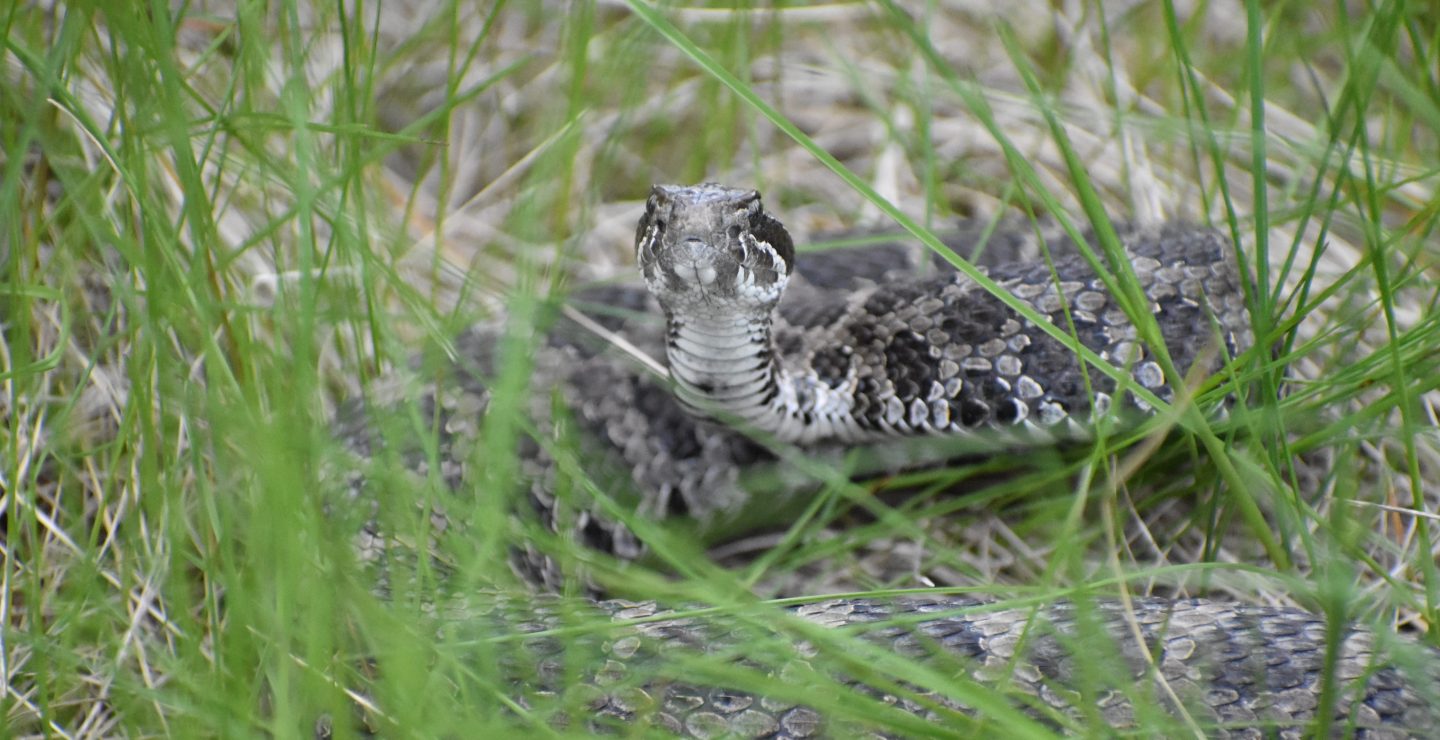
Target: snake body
[(1196, 666), (848, 355), (919, 357)]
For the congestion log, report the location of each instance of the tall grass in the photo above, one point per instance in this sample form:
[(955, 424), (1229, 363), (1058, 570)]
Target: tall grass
[(222, 221)]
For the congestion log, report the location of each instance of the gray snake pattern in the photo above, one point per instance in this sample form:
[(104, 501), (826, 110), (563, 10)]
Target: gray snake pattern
[(827, 353)]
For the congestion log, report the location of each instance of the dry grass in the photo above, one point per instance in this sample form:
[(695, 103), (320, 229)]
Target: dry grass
[(215, 225)]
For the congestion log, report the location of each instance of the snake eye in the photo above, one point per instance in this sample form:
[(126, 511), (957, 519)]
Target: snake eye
[(734, 232)]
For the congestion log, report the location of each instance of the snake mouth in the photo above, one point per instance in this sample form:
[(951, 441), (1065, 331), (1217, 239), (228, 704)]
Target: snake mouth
[(697, 257), (694, 271), (712, 270)]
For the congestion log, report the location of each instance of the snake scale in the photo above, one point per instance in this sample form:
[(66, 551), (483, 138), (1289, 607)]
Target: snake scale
[(828, 352)]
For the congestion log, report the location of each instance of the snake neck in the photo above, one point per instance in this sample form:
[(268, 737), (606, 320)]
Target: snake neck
[(728, 368)]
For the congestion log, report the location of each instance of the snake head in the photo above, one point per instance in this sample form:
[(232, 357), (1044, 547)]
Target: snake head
[(712, 248)]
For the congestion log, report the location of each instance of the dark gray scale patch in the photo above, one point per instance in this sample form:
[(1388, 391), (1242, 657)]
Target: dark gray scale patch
[(1177, 318), (1004, 245), (1057, 368), (789, 343), (972, 412), (908, 366), (994, 390), (868, 411), (909, 359), (1008, 410), (833, 364), (1179, 241), (845, 269), (1063, 381), (767, 229), (596, 535), (803, 307), (973, 317), (670, 425)]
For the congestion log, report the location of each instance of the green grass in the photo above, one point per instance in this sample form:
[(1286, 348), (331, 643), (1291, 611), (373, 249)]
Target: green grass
[(219, 224)]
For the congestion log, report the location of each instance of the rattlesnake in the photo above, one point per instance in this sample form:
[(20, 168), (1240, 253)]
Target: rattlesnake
[(851, 355)]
